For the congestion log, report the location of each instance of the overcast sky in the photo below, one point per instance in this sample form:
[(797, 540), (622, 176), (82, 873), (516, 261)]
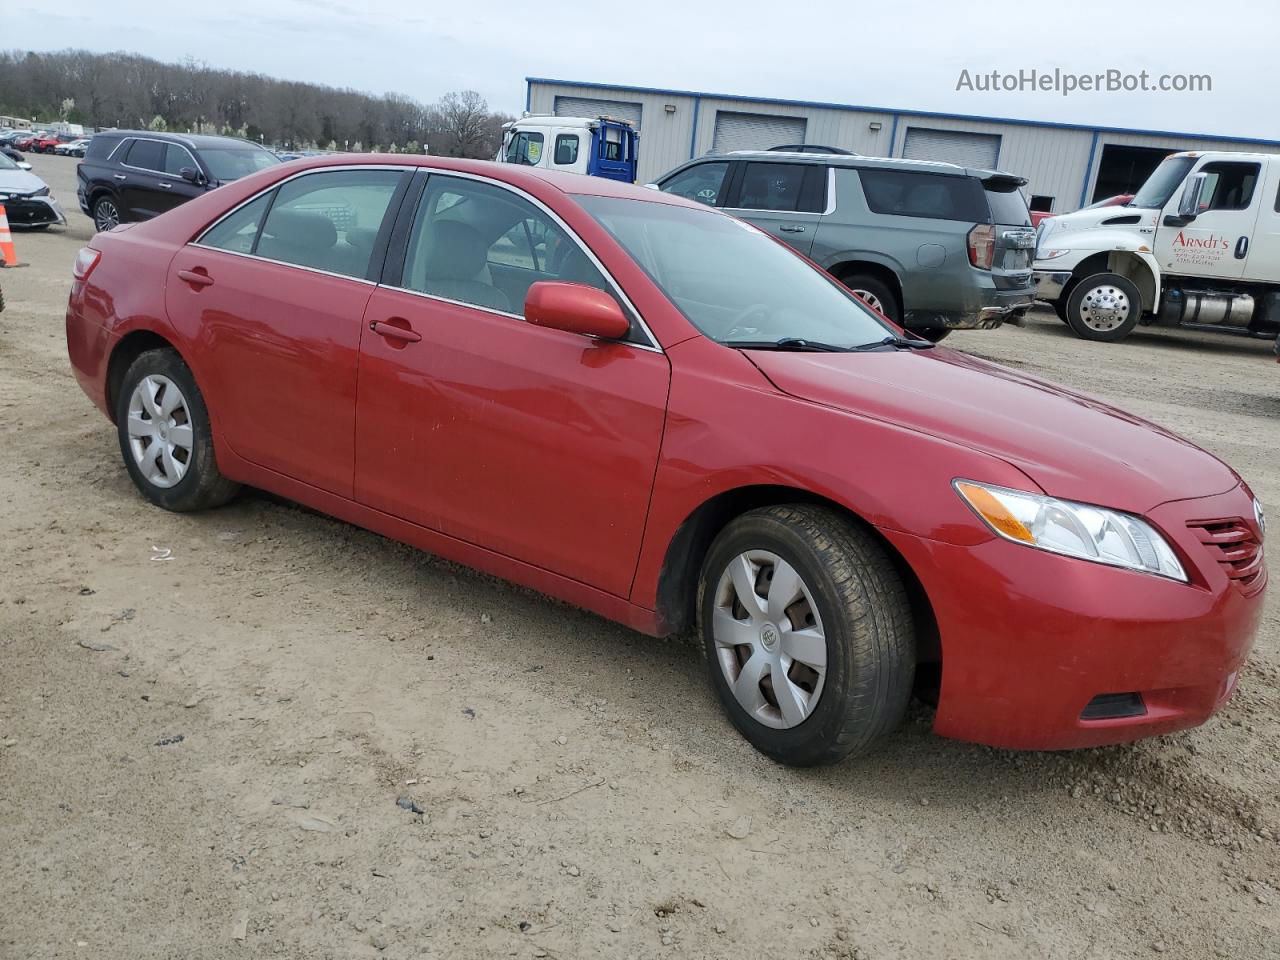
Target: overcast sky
[(905, 54)]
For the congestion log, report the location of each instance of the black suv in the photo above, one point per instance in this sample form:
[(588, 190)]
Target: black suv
[(129, 175)]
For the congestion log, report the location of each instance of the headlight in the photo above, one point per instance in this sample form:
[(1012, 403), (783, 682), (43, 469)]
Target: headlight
[(1072, 529), (42, 192), (1051, 254)]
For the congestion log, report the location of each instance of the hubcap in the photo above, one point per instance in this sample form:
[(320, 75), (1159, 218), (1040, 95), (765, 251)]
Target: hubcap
[(160, 434), (1104, 308), (106, 215), (871, 298), (769, 639)]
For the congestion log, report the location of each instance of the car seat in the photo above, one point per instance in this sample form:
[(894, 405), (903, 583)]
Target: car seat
[(452, 264)]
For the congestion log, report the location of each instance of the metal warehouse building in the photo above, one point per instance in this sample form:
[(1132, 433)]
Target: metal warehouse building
[(1067, 165)]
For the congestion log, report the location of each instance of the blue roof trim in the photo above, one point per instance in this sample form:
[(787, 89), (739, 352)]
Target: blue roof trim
[(818, 104)]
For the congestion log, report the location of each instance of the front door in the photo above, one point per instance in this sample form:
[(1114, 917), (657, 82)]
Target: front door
[(1215, 243), (535, 443), (784, 199), (276, 293)]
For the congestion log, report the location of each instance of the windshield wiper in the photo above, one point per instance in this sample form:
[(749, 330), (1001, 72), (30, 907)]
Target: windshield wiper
[(798, 344), (901, 343)]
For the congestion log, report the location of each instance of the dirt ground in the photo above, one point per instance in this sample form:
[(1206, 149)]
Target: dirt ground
[(207, 722)]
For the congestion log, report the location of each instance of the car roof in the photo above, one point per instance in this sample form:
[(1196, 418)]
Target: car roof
[(859, 161), (195, 140)]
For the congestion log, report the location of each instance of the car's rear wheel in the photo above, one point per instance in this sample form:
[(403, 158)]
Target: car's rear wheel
[(807, 632), (105, 214), (1104, 307), (165, 436), (876, 293)]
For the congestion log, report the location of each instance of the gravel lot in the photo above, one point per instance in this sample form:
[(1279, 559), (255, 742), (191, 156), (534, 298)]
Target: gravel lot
[(206, 722)]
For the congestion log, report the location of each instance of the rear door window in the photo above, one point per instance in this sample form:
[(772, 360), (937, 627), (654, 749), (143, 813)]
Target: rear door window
[(787, 187), (703, 182), (567, 148), (146, 155), (238, 232), (933, 196), (329, 221)]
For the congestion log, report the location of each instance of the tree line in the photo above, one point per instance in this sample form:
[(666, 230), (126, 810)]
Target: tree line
[(102, 90)]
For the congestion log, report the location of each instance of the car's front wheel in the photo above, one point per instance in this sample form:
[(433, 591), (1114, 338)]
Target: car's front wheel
[(165, 436), (105, 214), (808, 633)]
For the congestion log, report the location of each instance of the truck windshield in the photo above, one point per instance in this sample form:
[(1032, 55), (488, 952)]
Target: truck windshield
[(1155, 193), (525, 148), (733, 282)]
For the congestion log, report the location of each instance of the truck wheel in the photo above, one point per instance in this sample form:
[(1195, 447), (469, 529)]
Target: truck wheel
[(1105, 307), (876, 293), (807, 632)]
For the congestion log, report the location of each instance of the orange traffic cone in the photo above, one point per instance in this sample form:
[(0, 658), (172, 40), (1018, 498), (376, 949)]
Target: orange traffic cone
[(8, 255)]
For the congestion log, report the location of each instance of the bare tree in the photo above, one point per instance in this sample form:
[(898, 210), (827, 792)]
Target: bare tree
[(463, 118)]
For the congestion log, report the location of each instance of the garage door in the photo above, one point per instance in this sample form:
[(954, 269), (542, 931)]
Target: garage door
[(981, 150), (590, 107), (755, 131)]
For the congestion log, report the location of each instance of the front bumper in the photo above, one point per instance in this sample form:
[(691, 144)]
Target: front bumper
[(1020, 668), (32, 211), (1050, 283)]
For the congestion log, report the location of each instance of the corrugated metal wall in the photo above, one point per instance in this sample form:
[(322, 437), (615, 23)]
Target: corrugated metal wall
[(1058, 162)]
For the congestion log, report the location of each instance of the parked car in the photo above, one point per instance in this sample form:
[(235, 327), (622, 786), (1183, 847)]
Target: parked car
[(654, 411), (1040, 216), (26, 198), (933, 246), (22, 141), (15, 156), (73, 148), (131, 175), (49, 142)]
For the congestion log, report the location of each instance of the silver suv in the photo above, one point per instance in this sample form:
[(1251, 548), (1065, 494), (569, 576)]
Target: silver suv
[(933, 246)]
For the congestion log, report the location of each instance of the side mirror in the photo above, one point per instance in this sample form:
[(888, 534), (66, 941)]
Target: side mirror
[(1189, 205), (191, 175), (23, 165), (576, 308)]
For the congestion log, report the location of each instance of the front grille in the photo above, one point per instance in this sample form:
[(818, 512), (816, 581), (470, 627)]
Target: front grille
[(1234, 545), (22, 211)]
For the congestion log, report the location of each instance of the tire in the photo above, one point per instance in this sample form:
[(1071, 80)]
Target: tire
[(1104, 307), (933, 334), (876, 293), (106, 213), (863, 630), (187, 478)]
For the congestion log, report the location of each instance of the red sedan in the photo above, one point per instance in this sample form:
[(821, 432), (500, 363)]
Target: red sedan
[(654, 411)]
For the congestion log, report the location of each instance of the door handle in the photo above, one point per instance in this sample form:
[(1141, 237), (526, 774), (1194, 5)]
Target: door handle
[(195, 278), (120, 176), (1242, 248), (165, 186), (791, 228), (392, 332)]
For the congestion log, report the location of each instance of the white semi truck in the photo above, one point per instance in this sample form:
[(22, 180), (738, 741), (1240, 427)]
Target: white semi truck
[(1198, 246)]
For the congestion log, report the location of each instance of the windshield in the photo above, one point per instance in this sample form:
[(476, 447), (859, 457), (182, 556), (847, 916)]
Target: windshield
[(734, 283), (6, 163), (232, 163), (1155, 193)]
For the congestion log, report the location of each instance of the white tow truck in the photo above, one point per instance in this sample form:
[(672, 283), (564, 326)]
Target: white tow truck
[(1198, 246)]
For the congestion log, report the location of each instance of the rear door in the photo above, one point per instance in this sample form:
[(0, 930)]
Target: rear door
[(786, 200), (275, 292)]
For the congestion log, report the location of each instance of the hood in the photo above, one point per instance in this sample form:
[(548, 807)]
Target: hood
[(1072, 445), (1099, 228), (19, 181)]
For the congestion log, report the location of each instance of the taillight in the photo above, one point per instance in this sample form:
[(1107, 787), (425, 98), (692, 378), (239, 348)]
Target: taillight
[(86, 260), (982, 246)]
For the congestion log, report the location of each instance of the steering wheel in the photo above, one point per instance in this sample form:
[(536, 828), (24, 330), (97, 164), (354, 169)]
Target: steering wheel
[(740, 330)]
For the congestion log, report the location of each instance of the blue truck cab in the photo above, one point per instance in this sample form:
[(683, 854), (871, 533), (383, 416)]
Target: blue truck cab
[(598, 147)]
